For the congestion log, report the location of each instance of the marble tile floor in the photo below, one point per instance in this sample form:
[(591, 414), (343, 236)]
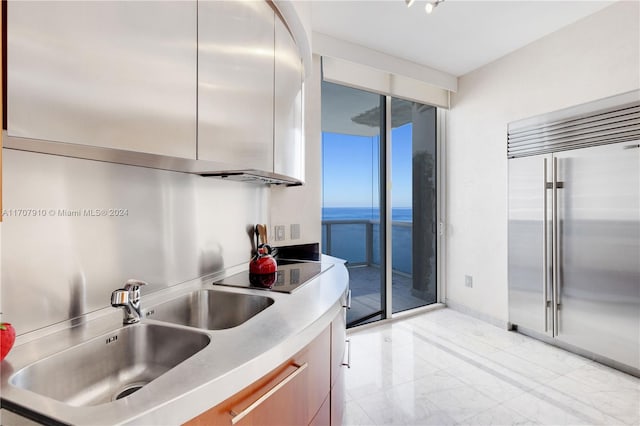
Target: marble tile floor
[(447, 368)]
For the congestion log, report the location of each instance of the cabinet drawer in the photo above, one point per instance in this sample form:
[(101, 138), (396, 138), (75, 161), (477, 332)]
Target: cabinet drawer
[(270, 395), (289, 395)]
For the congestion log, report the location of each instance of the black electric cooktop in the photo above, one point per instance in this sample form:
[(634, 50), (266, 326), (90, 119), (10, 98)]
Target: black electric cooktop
[(291, 275)]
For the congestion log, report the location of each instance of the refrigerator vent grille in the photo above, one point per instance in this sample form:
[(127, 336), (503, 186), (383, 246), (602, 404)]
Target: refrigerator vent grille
[(544, 135)]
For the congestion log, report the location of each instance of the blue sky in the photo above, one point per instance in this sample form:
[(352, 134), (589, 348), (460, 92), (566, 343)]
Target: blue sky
[(350, 169)]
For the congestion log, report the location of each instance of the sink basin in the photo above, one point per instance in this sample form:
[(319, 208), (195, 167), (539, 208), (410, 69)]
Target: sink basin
[(210, 309), (111, 366)]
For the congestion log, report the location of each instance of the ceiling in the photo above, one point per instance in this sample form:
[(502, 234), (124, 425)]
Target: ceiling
[(458, 37)]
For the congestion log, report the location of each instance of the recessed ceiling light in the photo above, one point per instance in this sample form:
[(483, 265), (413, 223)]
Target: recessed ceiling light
[(432, 5)]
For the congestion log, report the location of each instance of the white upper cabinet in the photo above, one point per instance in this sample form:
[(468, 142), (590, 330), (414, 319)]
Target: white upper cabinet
[(216, 82), (235, 83), (111, 74), (288, 132)]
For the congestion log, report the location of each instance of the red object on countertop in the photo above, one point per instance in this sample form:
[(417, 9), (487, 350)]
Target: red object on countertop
[(7, 337), (262, 264), (263, 280)]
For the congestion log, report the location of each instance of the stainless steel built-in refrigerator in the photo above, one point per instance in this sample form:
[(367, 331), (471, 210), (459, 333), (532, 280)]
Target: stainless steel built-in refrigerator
[(574, 229)]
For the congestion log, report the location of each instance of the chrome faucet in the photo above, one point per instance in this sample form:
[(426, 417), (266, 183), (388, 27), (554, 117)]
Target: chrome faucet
[(128, 298)]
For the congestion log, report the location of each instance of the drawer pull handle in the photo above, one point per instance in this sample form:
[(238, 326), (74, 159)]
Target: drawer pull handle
[(236, 417), (348, 304), (348, 363)]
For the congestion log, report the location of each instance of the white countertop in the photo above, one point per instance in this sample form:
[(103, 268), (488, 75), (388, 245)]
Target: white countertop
[(234, 359)]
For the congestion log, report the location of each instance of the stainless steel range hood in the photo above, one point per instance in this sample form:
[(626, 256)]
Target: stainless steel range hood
[(153, 161), (256, 176)]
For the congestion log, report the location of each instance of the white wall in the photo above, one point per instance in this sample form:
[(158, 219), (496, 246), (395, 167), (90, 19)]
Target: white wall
[(303, 204), (596, 57)]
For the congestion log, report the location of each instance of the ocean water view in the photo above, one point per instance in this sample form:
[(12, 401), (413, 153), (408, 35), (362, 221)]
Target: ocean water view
[(398, 214), (349, 241)]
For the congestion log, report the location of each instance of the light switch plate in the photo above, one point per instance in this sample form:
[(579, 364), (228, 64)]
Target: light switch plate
[(468, 280), (294, 232), (278, 233)]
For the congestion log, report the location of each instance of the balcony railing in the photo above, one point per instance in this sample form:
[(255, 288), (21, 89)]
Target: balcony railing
[(358, 242)]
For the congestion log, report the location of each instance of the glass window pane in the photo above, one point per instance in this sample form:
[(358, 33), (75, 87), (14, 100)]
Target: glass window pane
[(349, 242)]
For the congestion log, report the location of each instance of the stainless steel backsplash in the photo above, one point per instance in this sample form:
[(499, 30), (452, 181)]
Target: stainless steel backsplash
[(75, 230)]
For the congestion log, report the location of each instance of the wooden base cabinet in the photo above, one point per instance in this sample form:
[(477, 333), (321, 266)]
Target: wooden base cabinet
[(338, 364), (292, 394), (337, 400), (323, 416)]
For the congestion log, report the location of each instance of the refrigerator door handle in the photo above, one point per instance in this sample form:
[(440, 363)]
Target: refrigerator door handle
[(554, 245), (545, 245)]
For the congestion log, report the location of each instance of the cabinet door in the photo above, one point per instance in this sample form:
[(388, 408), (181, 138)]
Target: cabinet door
[(109, 74), (338, 344), (318, 354), (337, 399), (235, 83), (323, 416), (289, 140)]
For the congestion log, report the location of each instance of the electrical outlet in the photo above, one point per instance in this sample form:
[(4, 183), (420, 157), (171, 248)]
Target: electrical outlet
[(278, 233), (468, 281), (294, 232)]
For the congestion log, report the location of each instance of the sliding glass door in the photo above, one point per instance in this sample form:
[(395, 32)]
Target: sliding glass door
[(379, 199), (351, 124), (413, 204)]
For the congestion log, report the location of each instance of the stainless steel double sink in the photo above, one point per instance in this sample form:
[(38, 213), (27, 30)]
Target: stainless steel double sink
[(210, 310), (116, 364)]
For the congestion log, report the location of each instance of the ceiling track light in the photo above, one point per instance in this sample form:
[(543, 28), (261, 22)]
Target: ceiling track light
[(409, 2), (431, 5)]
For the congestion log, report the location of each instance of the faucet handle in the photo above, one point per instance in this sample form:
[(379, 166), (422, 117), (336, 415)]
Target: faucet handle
[(129, 299), (119, 297), (134, 285)]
